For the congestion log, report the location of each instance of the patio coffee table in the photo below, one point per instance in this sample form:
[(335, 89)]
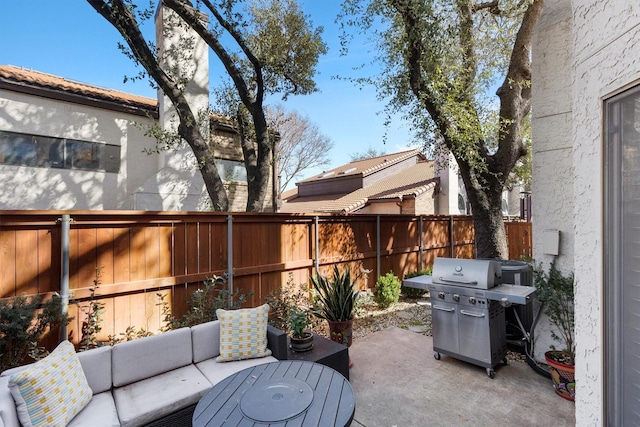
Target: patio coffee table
[(284, 393)]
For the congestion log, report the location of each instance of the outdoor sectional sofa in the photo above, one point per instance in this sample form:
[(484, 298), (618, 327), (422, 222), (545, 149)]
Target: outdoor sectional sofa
[(155, 380)]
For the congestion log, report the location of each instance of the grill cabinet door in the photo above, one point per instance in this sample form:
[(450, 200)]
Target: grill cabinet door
[(474, 334), (444, 325)]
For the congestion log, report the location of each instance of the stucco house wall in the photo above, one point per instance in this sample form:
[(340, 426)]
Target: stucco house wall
[(26, 187), (585, 51)]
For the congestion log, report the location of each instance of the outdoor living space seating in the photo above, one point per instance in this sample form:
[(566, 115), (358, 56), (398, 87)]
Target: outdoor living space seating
[(134, 383)]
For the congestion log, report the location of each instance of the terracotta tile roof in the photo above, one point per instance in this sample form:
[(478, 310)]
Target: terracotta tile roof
[(17, 76), (411, 182)]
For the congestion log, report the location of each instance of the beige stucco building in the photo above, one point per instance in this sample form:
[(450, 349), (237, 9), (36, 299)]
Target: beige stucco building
[(72, 145), (586, 127)]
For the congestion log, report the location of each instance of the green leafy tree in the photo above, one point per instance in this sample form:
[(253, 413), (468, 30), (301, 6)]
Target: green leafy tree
[(267, 47), (439, 59)]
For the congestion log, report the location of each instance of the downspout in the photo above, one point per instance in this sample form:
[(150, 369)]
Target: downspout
[(65, 227)]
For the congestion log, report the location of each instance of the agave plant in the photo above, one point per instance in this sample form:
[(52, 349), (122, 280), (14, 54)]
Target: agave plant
[(336, 297)]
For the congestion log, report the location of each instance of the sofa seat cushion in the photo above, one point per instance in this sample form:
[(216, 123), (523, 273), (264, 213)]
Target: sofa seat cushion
[(150, 399), (216, 372), (100, 412)]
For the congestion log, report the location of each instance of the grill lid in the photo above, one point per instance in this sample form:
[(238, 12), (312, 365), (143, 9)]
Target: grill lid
[(471, 273)]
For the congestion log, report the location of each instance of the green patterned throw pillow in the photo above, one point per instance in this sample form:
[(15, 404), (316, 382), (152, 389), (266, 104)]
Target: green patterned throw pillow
[(51, 391), (243, 333)]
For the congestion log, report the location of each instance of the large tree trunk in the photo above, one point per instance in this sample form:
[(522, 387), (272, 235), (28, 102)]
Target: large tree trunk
[(485, 196)]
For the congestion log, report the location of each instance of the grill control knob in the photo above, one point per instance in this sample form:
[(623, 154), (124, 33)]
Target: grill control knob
[(472, 300), (441, 295), (456, 297)]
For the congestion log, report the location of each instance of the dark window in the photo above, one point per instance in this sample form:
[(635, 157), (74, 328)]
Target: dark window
[(41, 151)]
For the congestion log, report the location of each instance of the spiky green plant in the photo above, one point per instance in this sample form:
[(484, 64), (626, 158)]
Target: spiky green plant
[(336, 297)]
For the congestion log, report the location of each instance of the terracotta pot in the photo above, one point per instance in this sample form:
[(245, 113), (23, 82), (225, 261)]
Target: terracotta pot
[(563, 375), (302, 344), (341, 332)]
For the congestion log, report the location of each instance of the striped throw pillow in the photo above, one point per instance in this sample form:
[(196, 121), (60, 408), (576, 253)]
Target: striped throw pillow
[(51, 391), (243, 333)]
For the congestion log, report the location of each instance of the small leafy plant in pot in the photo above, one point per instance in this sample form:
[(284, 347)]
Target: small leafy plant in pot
[(301, 339), (335, 302), (555, 291)]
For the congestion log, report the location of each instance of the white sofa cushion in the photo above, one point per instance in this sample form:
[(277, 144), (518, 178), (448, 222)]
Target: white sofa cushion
[(216, 372), (100, 412), (146, 357), (96, 364), (51, 391), (8, 412), (206, 341), (153, 398)]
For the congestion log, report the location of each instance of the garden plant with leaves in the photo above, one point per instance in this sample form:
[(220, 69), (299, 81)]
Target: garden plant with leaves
[(335, 297), (556, 291), (24, 322)]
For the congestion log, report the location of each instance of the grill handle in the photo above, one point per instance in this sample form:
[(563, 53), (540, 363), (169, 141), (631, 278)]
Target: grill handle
[(462, 282), (469, 313), (441, 308)]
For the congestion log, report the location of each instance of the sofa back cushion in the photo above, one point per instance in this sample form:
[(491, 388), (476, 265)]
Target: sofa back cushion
[(150, 356), (96, 364), (206, 341)]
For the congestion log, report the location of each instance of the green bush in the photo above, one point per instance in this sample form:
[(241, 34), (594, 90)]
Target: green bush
[(203, 304), (24, 322), (387, 290), (284, 300), (414, 293)]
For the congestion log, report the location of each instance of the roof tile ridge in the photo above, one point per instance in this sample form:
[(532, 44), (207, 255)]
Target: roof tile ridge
[(402, 156)]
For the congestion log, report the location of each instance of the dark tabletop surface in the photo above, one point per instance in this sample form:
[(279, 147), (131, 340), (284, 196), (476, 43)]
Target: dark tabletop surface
[(287, 393)]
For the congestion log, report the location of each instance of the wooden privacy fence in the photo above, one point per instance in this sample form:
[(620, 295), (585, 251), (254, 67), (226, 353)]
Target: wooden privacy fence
[(139, 255)]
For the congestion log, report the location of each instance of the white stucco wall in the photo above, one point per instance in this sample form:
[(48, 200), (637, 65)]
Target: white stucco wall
[(584, 52), (44, 188)]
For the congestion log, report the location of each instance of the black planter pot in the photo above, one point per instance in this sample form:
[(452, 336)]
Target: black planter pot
[(302, 344)]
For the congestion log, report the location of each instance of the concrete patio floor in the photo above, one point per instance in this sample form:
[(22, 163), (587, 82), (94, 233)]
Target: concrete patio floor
[(397, 382)]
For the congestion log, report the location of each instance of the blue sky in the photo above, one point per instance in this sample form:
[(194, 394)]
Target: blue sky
[(69, 39)]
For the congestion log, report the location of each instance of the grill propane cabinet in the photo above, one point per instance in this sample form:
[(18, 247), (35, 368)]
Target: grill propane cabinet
[(468, 301)]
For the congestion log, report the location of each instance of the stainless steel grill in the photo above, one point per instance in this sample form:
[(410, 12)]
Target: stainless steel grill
[(468, 301)]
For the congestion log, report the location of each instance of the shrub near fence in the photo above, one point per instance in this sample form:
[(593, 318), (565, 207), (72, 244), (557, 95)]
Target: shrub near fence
[(141, 254)]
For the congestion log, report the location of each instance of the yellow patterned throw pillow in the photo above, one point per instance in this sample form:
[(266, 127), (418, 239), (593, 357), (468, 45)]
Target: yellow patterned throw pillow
[(243, 333), (51, 391)]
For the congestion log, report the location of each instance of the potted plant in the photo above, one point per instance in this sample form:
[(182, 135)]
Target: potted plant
[(301, 339), (336, 302), (555, 291)]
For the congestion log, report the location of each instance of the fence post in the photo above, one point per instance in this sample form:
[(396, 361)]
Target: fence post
[(316, 236), (378, 263), (420, 247), (230, 259), (65, 227), (451, 237)]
